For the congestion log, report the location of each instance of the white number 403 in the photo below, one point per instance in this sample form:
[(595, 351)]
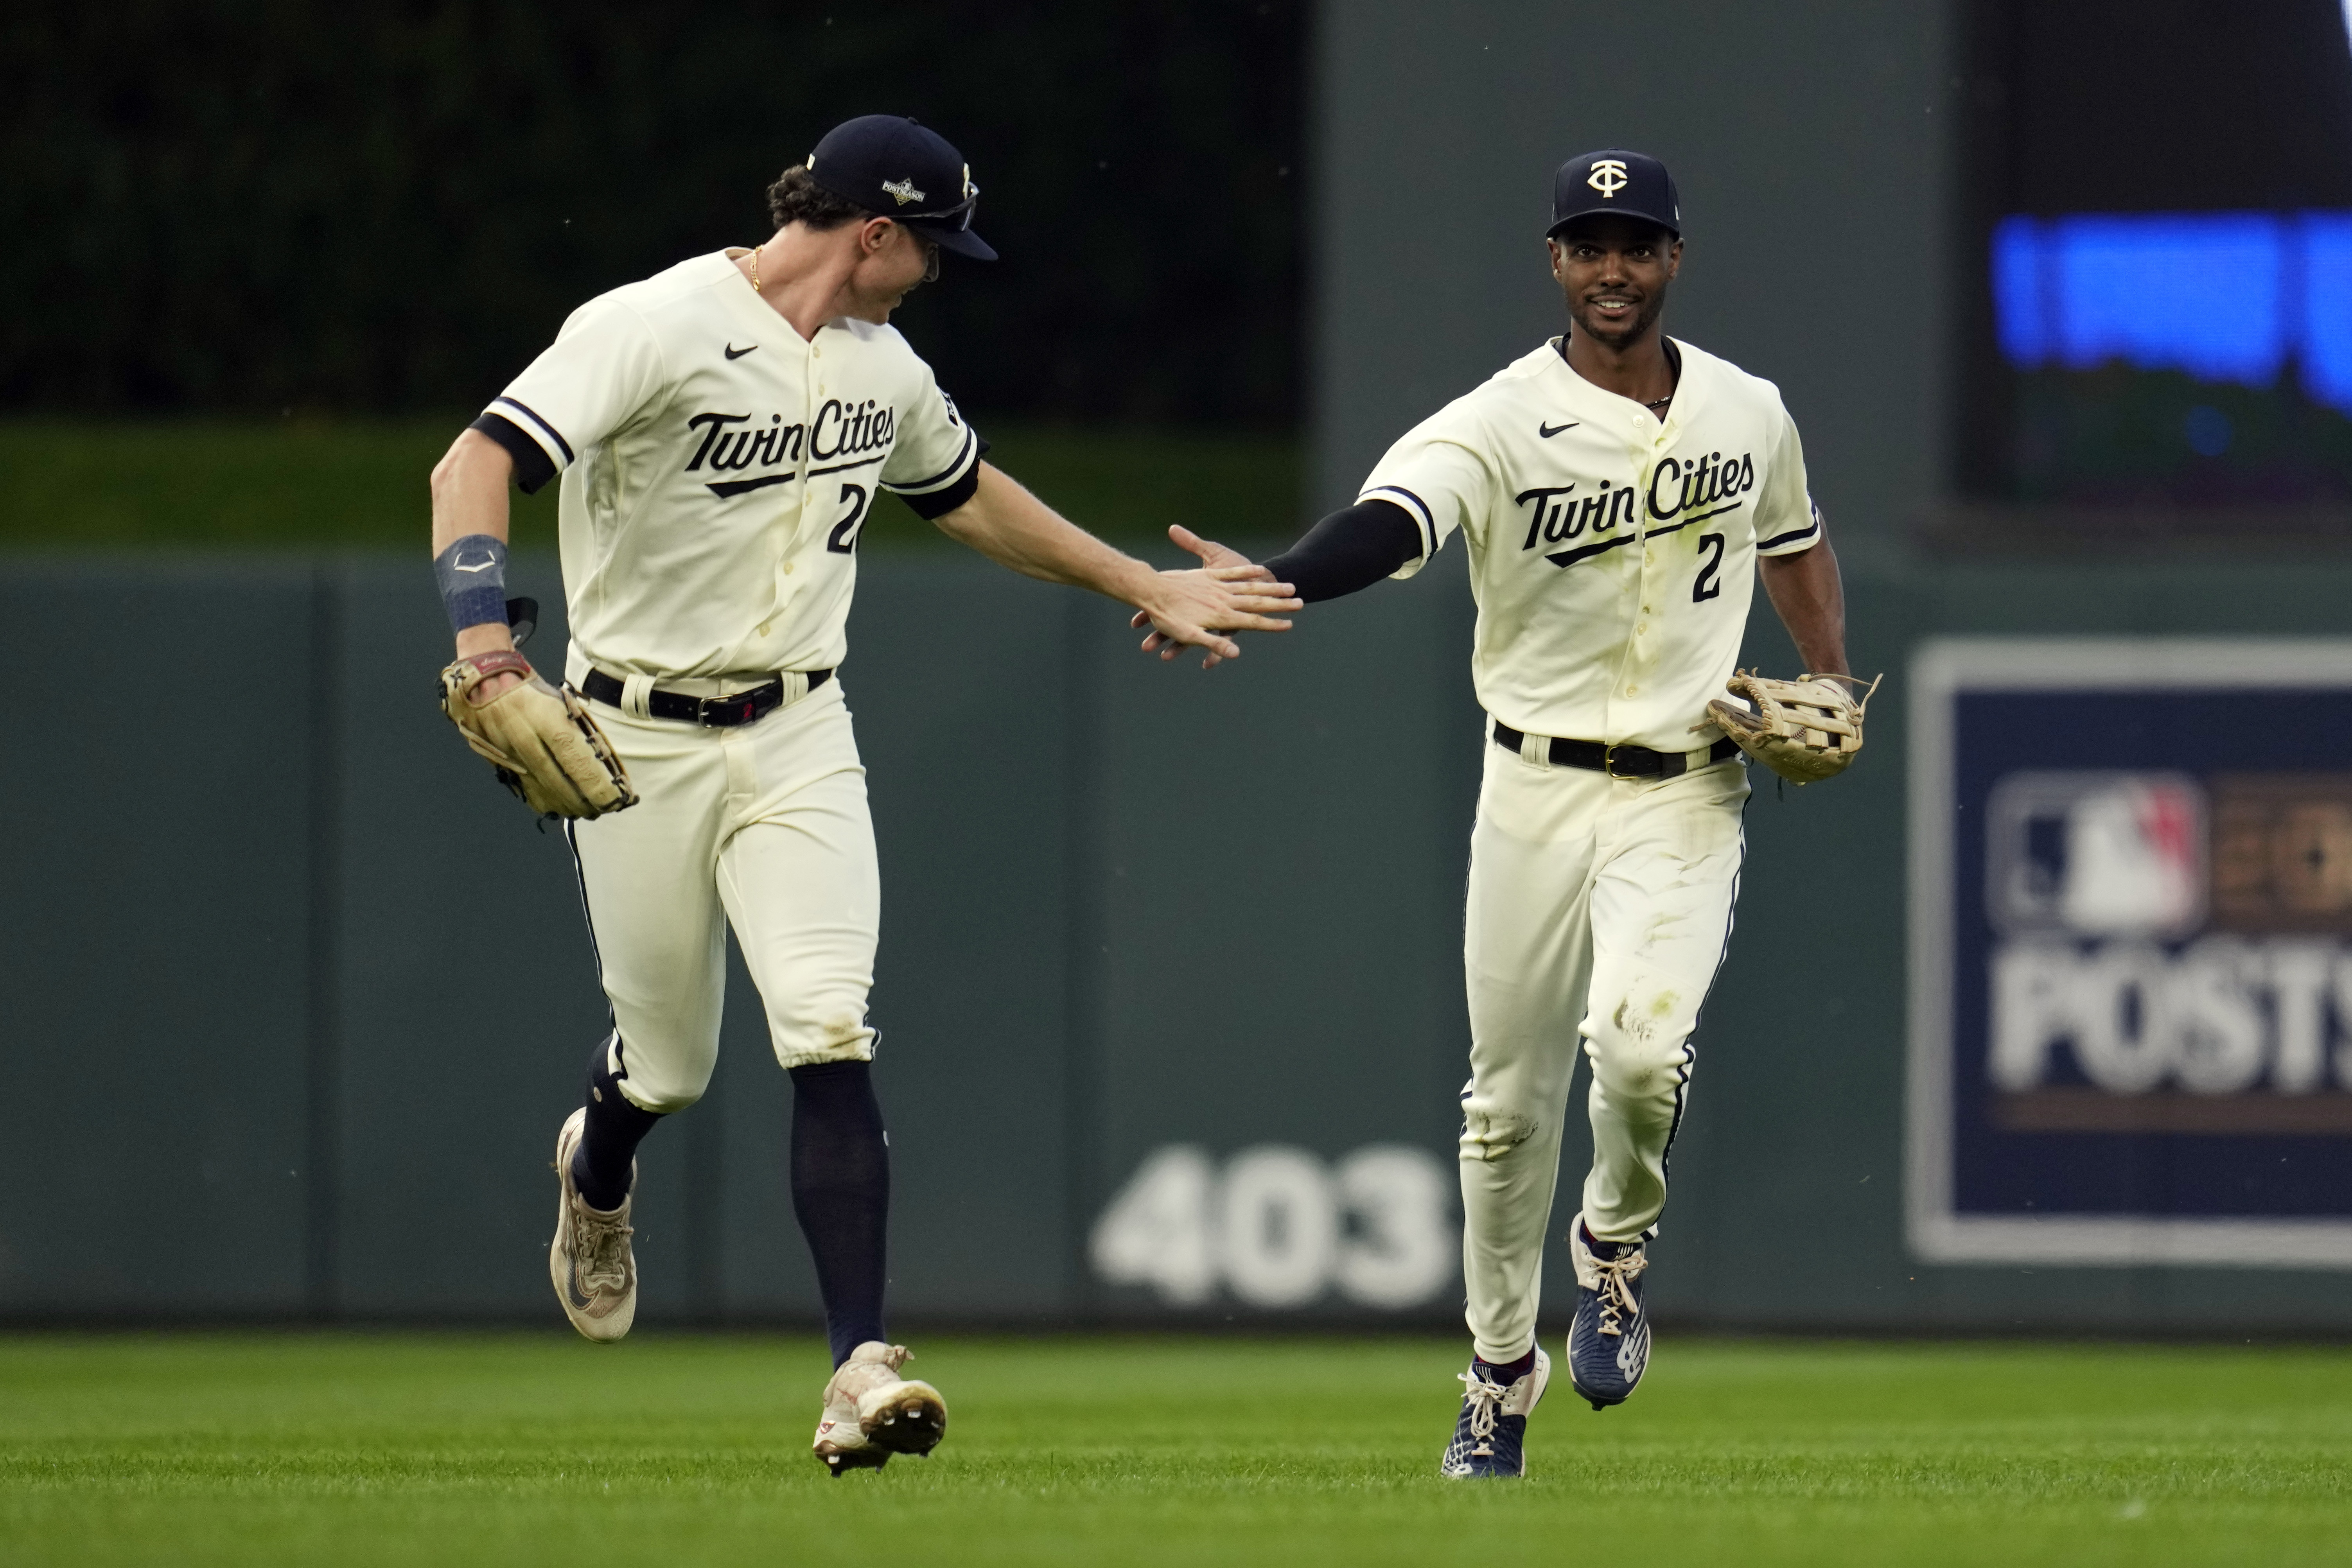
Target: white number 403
[(1279, 1227)]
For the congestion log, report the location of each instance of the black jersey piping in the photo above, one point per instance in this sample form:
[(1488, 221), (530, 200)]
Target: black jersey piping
[(1777, 540), (532, 414), (946, 475)]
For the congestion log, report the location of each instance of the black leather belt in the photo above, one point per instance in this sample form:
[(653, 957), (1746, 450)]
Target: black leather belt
[(1617, 761), (718, 712)]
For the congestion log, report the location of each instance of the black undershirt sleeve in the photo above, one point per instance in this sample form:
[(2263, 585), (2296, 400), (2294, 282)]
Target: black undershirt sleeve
[(1350, 549), (532, 467)]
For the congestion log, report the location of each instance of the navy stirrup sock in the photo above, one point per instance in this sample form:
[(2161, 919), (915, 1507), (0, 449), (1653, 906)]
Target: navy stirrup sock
[(1506, 1370), (841, 1195), (600, 1168)]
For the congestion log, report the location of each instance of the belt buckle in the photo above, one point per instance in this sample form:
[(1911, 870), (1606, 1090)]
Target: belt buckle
[(1609, 761), (726, 713)]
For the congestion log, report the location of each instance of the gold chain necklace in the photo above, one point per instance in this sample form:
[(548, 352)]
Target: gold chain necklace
[(755, 267)]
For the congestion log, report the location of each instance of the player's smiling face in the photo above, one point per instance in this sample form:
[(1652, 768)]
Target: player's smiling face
[(1613, 273)]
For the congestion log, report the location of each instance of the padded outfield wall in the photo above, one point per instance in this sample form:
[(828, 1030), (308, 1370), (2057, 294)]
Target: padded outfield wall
[(294, 997)]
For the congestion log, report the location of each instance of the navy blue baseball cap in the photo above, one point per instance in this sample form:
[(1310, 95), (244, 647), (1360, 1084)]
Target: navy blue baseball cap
[(1615, 181), (904, 172)]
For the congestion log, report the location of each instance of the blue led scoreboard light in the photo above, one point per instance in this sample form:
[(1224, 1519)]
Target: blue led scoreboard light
[(2224, 296)]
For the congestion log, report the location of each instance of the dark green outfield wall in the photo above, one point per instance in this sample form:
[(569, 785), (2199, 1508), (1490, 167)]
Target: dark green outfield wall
[(1792, 1171), (294, 997)]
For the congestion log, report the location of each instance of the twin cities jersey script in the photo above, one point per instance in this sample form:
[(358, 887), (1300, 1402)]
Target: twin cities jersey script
[(1612, 556), (718, 469)]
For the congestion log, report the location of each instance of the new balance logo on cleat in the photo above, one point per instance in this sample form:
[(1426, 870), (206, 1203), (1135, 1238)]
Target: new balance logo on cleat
[(1490, 1434), (1609, 1342)]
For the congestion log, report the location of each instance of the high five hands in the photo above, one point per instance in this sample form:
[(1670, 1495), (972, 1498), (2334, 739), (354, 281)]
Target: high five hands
[(1220, 576)]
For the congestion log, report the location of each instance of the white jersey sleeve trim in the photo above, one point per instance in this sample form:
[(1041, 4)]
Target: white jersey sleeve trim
[(537, 429), (964, 458)]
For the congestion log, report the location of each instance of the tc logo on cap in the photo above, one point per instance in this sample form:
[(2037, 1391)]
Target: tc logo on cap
[(1608, 177), (904, 190)]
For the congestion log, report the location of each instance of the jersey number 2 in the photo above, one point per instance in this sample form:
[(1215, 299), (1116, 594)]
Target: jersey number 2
[(1708, 587), (843, 538)]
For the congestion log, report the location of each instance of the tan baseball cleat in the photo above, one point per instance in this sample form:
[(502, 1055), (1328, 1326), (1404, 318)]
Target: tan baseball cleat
[(872, 1413), (595, 1273)]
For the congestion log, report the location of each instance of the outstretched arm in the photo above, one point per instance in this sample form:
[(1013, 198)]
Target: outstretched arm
[(1014, 529), (1807, 591), (1350, 549)]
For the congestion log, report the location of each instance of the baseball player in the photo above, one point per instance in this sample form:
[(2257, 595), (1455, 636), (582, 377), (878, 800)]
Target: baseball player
[(1620, 493), (722, 430)]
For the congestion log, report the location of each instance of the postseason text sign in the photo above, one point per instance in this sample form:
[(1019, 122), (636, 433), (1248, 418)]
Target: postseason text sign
[(2131, 939)]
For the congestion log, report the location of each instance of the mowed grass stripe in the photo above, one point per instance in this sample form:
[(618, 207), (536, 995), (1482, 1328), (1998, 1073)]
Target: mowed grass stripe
[(527, 1447)]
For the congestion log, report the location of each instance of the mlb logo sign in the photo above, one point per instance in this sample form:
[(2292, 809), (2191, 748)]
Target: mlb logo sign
[(2100, 854), (2131, 964)]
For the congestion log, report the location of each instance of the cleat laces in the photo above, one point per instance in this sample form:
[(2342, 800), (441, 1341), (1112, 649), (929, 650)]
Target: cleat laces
[(600, 1249), (1485, 1401), (1617, 1277)]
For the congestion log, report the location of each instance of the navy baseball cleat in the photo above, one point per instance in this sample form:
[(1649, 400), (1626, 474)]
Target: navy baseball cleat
[(1490, 1437), (1609, 1342)]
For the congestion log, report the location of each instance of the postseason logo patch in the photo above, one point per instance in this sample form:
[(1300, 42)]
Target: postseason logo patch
[(2131, 966)]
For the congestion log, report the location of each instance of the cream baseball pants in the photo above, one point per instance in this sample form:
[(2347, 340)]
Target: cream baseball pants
[(763, 827), (1598, 912)]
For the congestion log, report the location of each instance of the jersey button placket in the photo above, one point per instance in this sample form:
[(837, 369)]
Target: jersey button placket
[(795, 519), (1650, 442)]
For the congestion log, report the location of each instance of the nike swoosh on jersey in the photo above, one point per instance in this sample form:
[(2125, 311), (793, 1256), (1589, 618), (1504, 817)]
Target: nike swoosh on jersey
[(741, 486), (1548, 431), (735, 353)]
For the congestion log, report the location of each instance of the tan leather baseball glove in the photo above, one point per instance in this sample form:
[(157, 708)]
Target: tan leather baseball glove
[(544, 745), (1803, 729)]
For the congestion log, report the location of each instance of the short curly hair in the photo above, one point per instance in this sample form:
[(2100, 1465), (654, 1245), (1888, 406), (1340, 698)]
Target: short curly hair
[(797, 198)]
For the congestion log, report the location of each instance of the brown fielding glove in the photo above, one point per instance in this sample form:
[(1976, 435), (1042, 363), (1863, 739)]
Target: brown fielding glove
[(544, 745), (1803, 729)]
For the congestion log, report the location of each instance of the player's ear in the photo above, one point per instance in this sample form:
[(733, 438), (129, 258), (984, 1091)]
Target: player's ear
[(874, 235), (1558, 259), (1674, 259)]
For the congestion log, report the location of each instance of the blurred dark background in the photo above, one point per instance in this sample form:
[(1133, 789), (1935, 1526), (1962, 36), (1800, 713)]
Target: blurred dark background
[(2173, 176), (251, 207)]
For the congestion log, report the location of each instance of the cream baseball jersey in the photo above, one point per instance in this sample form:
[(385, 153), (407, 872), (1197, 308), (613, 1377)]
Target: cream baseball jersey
[(718, 470), (1612, 556)]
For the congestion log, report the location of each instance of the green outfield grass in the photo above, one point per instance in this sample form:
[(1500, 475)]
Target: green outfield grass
[(459, 1450), (313, 485)]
